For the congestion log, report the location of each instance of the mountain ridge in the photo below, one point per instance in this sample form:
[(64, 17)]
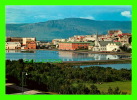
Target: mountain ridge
[(65, 28)]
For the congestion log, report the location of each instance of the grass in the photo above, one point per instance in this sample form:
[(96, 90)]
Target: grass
[(123, 86)]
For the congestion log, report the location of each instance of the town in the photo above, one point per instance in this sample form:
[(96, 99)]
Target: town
[(112, 41)]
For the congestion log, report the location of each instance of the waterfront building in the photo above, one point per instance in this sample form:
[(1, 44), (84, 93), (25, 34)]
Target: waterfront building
[(13, 45), (73, 45), (105, 45)]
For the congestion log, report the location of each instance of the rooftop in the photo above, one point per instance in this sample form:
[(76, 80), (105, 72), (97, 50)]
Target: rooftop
[(104, 43), (13, 42)]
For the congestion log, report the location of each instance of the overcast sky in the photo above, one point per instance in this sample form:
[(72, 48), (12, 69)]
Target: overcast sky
[(33, 14)]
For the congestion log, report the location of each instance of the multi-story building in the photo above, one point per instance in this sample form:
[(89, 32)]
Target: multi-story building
[(73, 45)]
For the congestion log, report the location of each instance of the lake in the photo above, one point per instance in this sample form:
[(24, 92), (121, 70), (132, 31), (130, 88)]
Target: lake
[(61, 55), (116, 66)]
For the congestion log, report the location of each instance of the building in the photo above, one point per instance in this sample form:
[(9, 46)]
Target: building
[(105, 45), (76, 38), (13, 45), (114, 33), (73, 45), (90, 47), (30, 45), (112, 46), (20, 43), (124, 38), (56, 41), (26, 40), (14, 39), (89, 38)]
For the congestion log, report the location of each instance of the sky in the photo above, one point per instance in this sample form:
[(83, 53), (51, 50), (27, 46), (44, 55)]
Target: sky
[(34, 14)]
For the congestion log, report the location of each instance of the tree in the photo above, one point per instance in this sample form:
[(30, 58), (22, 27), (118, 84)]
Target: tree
[(117, 91), (94, 90)]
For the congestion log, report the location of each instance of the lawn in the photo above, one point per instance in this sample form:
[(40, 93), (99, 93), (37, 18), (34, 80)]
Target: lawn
[(123, 86)]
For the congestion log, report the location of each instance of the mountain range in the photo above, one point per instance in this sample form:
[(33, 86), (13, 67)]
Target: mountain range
[(65, 28)]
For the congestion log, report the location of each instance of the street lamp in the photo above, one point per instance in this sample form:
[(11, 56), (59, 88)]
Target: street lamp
[(23, 73)]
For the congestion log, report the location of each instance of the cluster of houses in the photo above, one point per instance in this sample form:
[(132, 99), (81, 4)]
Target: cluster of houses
[(109, 42)]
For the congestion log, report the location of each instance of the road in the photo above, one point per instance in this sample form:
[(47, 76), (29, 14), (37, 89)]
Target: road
[(26, 91)]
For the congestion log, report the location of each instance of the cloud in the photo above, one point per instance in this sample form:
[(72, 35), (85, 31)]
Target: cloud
[(126, 13), (88, 17)]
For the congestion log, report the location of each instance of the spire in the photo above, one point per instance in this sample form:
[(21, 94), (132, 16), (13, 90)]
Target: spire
[(96, 39)]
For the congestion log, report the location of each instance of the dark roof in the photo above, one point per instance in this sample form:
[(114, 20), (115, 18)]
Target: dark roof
[(104, 43)]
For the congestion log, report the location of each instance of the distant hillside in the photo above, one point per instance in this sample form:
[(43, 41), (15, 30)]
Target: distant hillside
[(65, 28)]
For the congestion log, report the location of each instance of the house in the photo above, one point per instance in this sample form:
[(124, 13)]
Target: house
[(13, 45), (114, 33), (76, 38), (30, 45)]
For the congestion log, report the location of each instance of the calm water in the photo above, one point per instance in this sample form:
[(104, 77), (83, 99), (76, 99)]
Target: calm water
[(62, 55), (116, 66)]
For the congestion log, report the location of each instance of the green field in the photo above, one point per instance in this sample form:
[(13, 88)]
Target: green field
[(123, 86)]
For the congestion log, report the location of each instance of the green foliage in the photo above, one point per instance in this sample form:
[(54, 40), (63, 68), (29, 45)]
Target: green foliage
[(60, 78), (115, 91), (94, 90), (126, 49)]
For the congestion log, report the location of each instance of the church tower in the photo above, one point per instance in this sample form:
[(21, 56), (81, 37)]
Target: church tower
[(96, 40), (96, 46)]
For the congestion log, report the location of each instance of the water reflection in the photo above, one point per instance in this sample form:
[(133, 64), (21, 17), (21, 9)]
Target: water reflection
[(70, 56), (63, 55)]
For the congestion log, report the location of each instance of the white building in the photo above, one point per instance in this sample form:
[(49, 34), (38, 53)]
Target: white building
[(13, 45), (112, 47), (89, 38), (105, 45), (25, 40), (56, 41)]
